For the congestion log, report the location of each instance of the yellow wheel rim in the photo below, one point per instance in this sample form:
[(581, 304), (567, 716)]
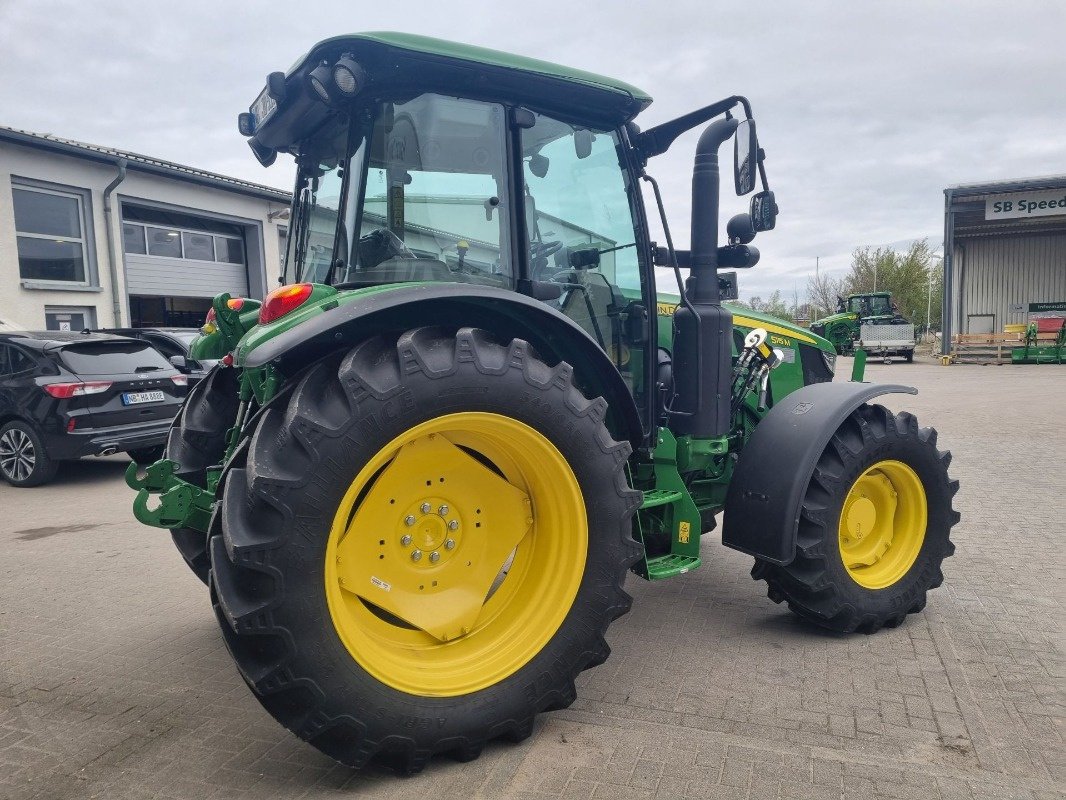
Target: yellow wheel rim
[(456, 554), (882, 524)]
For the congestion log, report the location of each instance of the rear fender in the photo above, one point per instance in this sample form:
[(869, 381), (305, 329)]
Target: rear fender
[(507, 314), (762, 505)]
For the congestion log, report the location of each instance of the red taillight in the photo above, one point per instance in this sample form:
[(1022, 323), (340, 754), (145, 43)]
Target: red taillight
[(65, 391), (70, 425), (180, 380), (284, 300)]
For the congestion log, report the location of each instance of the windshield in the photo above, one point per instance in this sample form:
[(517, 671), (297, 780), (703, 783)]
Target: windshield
[(424, 198), (870, 306)]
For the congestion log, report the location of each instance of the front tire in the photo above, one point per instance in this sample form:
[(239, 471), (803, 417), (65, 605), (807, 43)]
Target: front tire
[(874, 527), (381, 580)]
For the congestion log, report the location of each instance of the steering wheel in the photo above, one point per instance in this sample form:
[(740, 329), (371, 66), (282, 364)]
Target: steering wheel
[(379, 246), (544, 249)]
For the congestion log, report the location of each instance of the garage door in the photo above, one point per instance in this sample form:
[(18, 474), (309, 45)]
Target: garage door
[(172, 261)]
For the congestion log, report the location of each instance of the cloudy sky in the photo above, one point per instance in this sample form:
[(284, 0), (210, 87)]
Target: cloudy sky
[(866, 110)]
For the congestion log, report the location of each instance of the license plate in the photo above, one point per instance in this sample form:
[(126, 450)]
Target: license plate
[(263, 107), (133, 398)]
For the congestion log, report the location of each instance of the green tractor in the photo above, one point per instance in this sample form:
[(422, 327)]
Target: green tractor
[(868, 308), (418, 478)]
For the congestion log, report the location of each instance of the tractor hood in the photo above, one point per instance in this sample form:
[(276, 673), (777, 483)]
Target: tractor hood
[(844, 316), (397, 64), (744, 317)]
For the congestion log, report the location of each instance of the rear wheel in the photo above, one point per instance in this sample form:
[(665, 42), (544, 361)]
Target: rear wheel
[(23, 460), (874, 526), (424, 549), (198, 441)]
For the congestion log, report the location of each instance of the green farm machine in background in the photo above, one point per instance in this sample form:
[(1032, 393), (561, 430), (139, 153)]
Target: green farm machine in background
[(427, 461), (869, 308)]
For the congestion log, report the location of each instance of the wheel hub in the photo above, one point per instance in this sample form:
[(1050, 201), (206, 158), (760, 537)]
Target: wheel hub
[(427, 573), (882, 524)]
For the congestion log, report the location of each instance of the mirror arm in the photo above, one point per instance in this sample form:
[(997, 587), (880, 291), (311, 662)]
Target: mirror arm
[(657, 140)]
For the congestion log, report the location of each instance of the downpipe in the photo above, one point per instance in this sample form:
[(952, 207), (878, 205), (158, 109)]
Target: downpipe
[(112, 264), (703, 328)]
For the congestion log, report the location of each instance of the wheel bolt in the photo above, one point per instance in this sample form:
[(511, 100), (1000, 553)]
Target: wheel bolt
[(434, 556), (409, 520), (405, 540), (449, 544), (443, 511), (453, 525), (424, 508), (416, 555)]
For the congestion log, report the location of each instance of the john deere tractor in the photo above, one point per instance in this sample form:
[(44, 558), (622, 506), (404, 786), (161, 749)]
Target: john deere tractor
[(426, 462), (843, 327)]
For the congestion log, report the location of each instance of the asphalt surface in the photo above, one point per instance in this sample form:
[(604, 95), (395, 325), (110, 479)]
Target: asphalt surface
[(114, 681)]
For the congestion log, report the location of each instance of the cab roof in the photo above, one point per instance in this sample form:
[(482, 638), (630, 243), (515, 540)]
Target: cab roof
[(401, 63)]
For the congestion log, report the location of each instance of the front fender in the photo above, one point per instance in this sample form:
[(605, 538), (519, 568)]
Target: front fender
[(506, 313), (762, 505)]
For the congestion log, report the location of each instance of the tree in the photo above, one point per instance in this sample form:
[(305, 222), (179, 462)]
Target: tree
[(905, 275), (774, 305), (822, 293)]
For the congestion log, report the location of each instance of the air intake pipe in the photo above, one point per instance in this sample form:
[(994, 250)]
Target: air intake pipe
[(703, 330)]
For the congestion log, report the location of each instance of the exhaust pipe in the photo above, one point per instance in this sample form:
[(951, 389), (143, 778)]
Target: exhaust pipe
[(702, 345), (110, 450)]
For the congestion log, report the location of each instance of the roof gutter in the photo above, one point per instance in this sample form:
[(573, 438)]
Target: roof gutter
[(112, 262)]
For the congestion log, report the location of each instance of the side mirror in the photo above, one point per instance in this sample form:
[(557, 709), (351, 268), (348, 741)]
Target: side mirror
[(745, 157), (180, 363), (583, 142), (763, 211)]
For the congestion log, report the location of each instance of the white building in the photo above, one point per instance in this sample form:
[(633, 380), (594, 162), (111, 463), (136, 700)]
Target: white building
[(96, 237)]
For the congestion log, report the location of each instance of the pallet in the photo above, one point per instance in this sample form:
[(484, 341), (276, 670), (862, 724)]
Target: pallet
[(988, 348)]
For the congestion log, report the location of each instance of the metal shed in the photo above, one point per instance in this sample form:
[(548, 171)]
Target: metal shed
[(1004, 254)]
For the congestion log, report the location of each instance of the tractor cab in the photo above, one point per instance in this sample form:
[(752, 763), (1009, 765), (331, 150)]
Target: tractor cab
[(421, 161), (871, 304)]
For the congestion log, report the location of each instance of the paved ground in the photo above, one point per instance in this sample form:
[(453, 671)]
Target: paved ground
[(114, 682)]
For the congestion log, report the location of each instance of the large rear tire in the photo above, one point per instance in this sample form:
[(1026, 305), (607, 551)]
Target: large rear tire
[(424, 549), (874, 527), (197, 441)]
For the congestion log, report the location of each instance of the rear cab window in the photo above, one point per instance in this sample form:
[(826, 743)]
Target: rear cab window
[(112, 358)]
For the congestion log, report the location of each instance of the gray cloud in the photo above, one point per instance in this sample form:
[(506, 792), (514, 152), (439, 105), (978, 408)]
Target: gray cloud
[(866, 111)]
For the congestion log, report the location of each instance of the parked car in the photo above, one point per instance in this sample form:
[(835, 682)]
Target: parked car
[(174, 344), (66, 395)]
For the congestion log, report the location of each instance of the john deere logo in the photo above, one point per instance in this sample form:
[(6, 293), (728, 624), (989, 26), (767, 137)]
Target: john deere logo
[(802, 408)]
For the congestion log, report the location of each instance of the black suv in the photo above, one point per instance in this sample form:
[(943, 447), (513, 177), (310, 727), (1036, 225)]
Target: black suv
[(66, 395), (174, 343)]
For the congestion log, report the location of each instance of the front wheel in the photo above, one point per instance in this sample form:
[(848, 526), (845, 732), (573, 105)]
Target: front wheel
[(874, 526), (423, 550)]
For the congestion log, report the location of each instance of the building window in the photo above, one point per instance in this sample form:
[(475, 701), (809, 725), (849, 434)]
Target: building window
[(69, 318), (164, 242), (51, 235), (173, 234), (133, 239), (229, 250)]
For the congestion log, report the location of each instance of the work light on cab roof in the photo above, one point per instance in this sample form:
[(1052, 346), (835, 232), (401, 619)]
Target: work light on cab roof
[(418, 478)]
